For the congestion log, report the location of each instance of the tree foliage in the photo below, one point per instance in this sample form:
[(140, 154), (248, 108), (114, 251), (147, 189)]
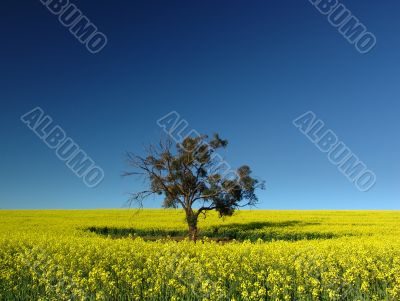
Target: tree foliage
[(192, 175)]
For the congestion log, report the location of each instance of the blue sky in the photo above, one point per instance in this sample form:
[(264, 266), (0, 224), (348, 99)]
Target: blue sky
[(242, 69)]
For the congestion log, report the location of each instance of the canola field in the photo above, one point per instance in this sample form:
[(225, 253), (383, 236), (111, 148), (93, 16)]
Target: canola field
[(254, 255)]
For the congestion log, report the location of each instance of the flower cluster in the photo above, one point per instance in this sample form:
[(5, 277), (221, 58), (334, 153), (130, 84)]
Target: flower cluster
[(47, 256)]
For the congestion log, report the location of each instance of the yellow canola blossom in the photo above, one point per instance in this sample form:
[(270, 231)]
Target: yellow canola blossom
[(277, 255)]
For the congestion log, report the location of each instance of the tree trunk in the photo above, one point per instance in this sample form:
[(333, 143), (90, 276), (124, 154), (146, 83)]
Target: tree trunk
[(193, 233), (191, 219)]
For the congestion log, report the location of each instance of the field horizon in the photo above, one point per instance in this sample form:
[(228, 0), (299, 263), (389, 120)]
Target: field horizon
[(120, 254)]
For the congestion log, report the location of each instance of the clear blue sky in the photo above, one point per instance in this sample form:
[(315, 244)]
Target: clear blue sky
[(243, 69)]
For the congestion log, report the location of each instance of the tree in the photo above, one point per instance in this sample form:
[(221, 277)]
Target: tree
[(192, 175)]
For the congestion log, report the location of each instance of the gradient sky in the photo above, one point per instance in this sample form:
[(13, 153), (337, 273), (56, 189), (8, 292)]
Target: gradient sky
[(244, 69)]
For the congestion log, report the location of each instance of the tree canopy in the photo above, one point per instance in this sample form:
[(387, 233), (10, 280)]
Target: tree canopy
[(192, 175)]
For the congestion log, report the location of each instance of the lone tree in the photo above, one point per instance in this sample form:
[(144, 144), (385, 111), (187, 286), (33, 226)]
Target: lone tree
[(193, 176)]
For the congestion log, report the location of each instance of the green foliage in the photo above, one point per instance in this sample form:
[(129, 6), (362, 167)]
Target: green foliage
[(192, 175)]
